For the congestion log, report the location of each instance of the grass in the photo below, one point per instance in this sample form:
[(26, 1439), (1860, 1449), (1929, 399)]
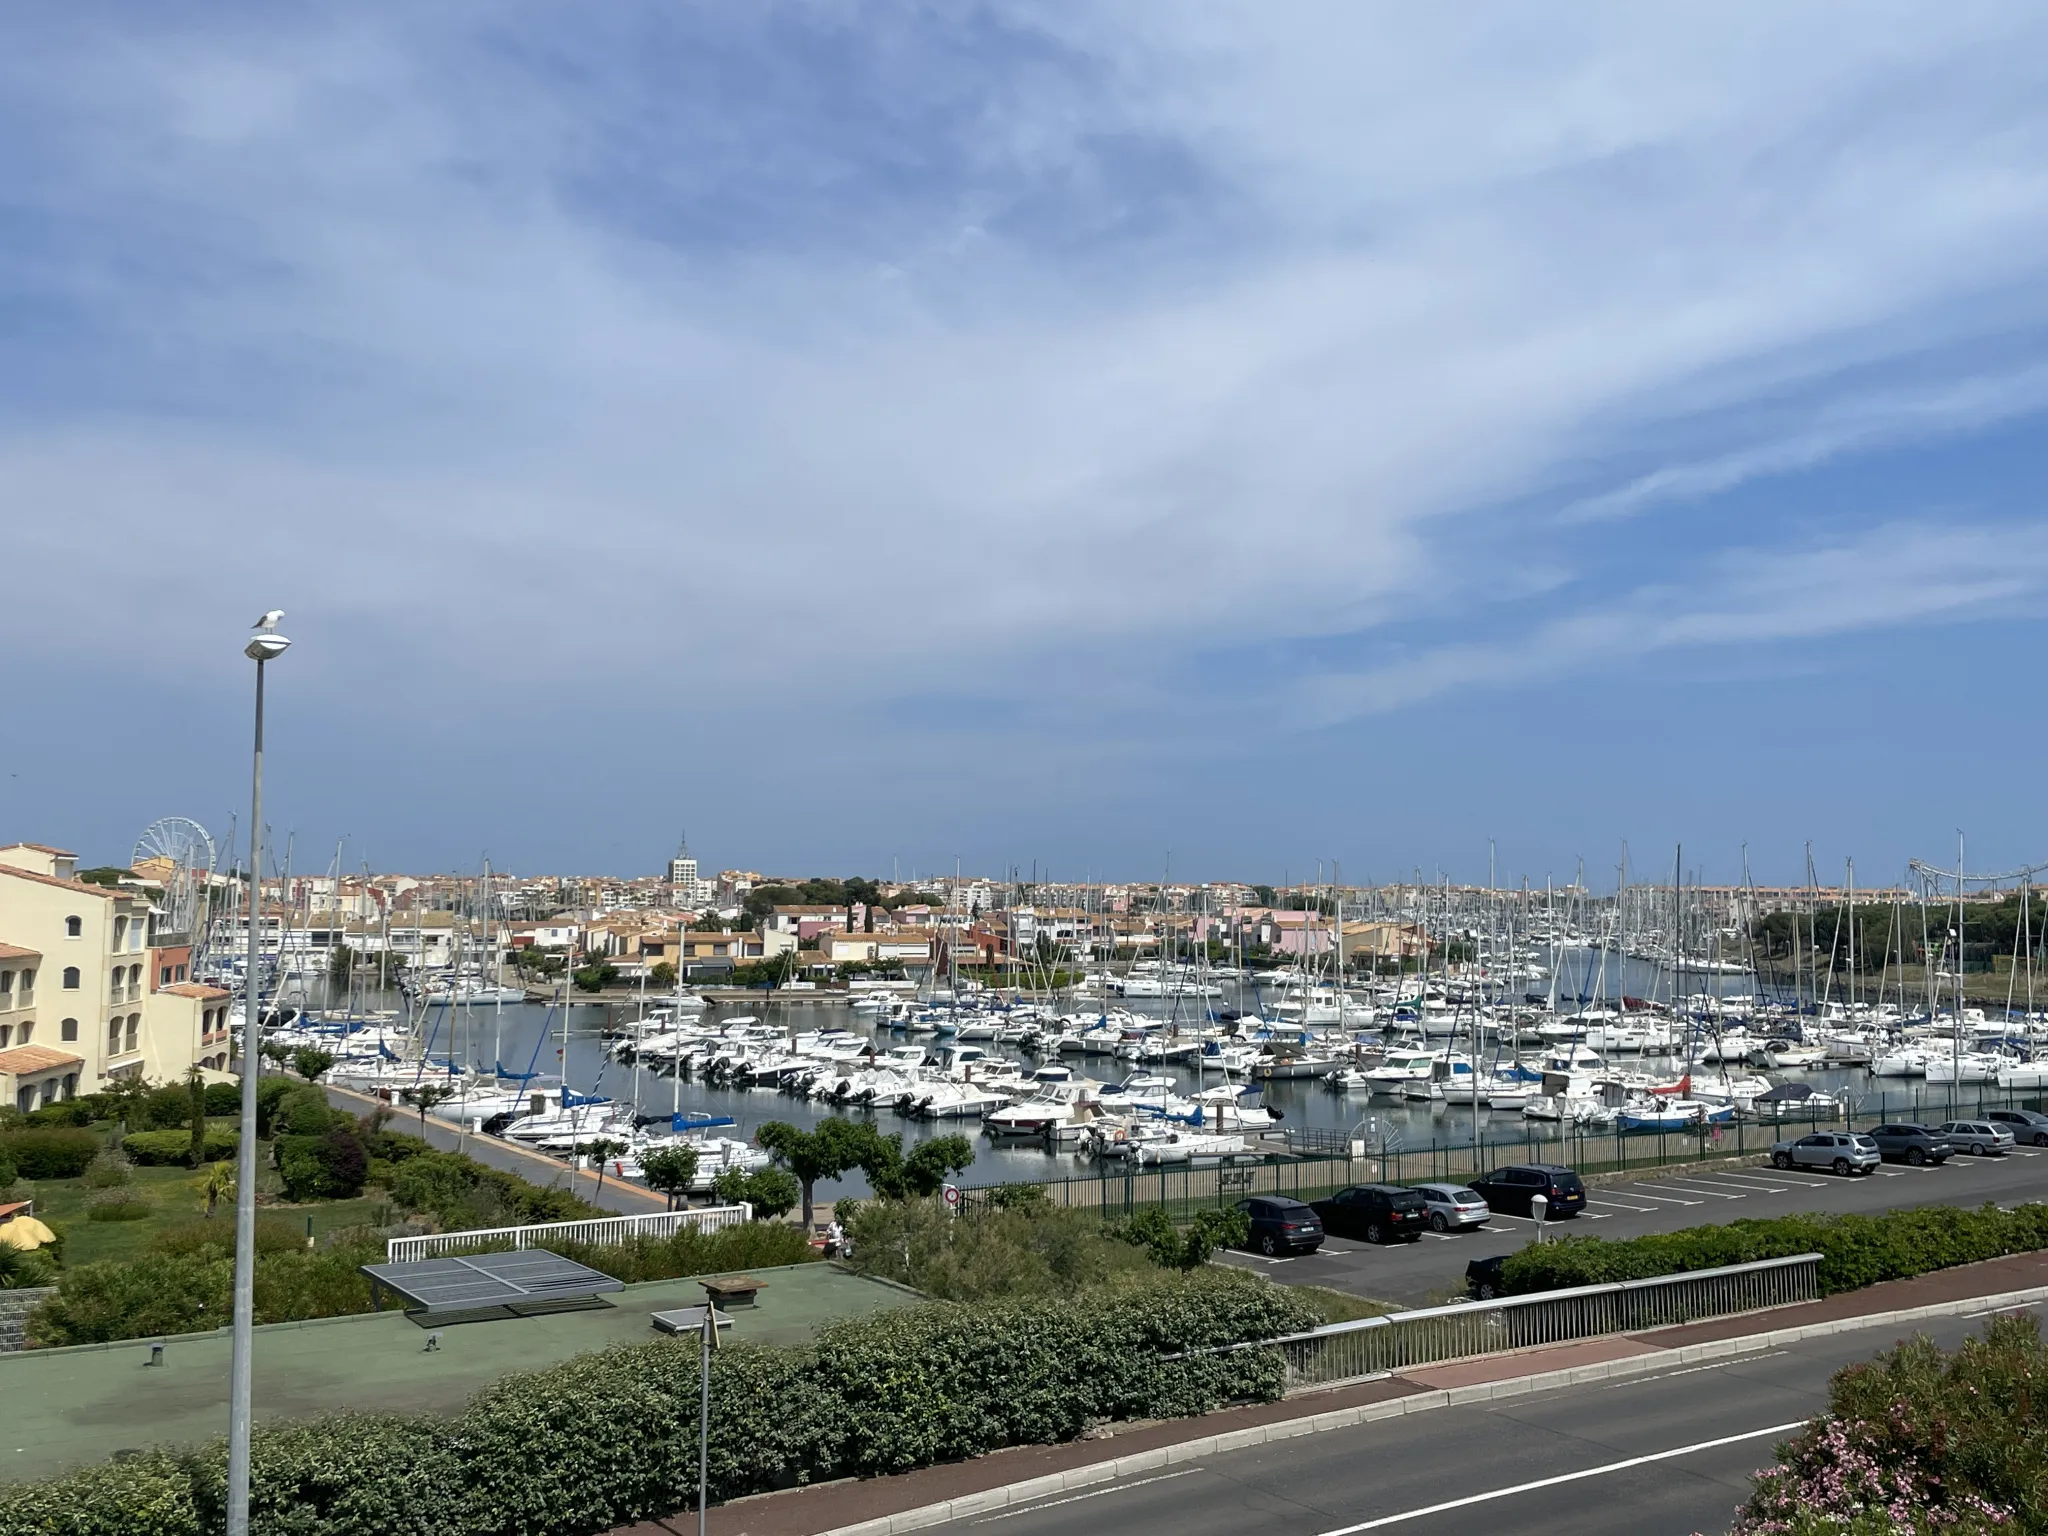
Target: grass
[(1342, 1306), (179, 1195)]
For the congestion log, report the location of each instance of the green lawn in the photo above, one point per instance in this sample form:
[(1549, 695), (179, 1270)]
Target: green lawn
[(179, 1196)]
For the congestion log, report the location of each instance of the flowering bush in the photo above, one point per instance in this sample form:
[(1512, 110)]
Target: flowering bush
[(1919, 1441)]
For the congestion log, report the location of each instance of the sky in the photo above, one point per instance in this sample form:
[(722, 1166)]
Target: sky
[(1117, 439)]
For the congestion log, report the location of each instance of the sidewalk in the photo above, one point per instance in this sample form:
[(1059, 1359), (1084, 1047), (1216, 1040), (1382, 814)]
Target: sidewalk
[(835, 1506)]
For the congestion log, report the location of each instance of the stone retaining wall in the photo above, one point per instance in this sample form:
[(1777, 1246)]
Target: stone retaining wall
[(15, 1307)]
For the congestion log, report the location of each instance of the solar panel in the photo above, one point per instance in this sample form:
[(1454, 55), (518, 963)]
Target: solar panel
[(513, 1283)]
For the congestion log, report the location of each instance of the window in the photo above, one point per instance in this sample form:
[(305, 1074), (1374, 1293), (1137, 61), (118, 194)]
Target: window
[(120, 934), (135, 976), (73, 927), (181, 973), (6, 1036), (163, 975), (26, 1031), (134, 1024), (114, 1038), (71, 1082), (68, 1030), (28, 987), (70, 978)]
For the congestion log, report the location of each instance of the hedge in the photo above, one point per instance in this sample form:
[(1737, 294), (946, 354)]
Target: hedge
[(161, 1149), (1856, 1250), (876, 1394), (50, 1152)]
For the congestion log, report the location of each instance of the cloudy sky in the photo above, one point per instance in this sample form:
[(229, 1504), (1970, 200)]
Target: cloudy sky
[(1105, 435)]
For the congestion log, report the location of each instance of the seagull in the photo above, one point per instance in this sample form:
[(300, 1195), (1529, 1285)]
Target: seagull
[(269, 621)]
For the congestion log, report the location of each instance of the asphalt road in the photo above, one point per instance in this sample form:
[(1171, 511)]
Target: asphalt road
[(1434, 1268), (1659, 1455)]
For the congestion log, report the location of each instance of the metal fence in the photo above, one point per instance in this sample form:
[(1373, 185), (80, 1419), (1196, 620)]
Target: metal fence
[(1376, 1345), (607, 1231), (1309, 1163)]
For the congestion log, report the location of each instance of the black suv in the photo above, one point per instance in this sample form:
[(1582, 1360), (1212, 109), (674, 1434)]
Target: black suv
[(2029, 1127), (1905, 1143), (1511, 1189), (1379, 1213), (1280, 1225)]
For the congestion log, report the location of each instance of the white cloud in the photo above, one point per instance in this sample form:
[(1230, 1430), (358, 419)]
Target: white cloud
[(965, 340), (1895, 575)]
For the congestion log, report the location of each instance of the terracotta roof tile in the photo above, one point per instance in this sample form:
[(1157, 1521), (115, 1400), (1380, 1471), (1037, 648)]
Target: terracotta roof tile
[(197, 989), (36, 1058)]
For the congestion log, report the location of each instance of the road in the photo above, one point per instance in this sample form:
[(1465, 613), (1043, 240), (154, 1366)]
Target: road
[(1658, 1455), (1434, 1268)]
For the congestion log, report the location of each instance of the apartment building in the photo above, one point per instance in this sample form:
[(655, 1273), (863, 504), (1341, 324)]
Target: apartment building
[(81, 1002)]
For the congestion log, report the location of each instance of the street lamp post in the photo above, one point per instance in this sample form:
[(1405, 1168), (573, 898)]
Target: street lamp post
[(266, 645)]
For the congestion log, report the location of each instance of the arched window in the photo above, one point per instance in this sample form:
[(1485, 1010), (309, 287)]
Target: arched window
[(114, 1036), (73, 927), (71, 1078), (120, 933), (68, 1030), (70, 978)]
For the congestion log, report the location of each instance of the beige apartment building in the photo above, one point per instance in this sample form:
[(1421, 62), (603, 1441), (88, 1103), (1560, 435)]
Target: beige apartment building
[(83, 1001)]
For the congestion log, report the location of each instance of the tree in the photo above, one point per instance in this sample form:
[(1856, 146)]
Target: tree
[(601, 1150), (220, 1185), (824, 1152), (195, 1085), (425, 1097), (672, 1170), (770, 1191), (273, 1052), (309, 1061), (341, 965), (596, 976), (663, 974), (896, 1175)]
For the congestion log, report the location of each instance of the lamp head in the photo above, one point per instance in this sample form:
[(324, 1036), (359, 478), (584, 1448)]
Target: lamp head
[(266, 647)]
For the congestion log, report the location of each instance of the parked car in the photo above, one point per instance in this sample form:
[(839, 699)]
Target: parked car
[(1978, 1136), (1280, 1225), (1454, 1206), (1511, 1189), (1379, 1213), (2027, 1125), (1482, 1277), (1914, 1144), (1843, 1151)]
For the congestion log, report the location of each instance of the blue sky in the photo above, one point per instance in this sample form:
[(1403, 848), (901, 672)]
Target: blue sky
[(1100, 435)]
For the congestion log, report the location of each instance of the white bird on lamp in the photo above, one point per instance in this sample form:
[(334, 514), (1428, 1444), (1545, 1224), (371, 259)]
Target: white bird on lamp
[(269, 621)]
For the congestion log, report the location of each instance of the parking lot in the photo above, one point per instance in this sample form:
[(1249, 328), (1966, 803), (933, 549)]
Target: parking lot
[(1434, 1268)]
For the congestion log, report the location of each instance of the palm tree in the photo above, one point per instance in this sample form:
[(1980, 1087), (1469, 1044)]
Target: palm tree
[(219, 1186)]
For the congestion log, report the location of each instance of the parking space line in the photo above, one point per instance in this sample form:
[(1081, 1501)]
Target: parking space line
[(1777, 1176), (1748, 1187), (1695, 1189), (1625, 1206), (1667, 1199)]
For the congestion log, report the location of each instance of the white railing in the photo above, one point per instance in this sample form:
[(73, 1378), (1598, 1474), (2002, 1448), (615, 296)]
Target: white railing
[(603, 1230)]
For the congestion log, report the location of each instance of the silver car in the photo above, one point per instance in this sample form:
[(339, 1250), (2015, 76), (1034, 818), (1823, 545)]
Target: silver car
[(1839, 1150), (1453, 1206), (1982, 1137)]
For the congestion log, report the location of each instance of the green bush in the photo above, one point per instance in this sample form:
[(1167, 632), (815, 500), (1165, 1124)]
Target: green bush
[(882, 1393), (50, 1152), (110, 1170), (8, 1172), (119, 1205), (223, 1099), (1920, 1440), (1856, 1250), (328, 1166), (304, 1111), (770, 1191), (22, 1269), (1020, 1248), (751, 1245), (73, 1112), (167, 1149), (461, 1193), (163, 1109)]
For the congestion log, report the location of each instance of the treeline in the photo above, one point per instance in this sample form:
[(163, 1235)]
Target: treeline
[(1885, 934)]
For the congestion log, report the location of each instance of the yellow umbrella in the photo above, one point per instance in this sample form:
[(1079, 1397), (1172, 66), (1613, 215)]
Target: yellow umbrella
[(26, 1233)]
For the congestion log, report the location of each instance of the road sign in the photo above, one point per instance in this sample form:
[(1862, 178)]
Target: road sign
[(952, 1196)]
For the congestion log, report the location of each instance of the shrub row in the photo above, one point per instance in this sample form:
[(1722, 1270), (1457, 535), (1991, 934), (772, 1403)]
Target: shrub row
[(162, 1149), (878, 1394), (1856, 1250), (49, 1152)]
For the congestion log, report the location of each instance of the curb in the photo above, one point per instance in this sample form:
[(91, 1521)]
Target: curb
[(991, 1499)]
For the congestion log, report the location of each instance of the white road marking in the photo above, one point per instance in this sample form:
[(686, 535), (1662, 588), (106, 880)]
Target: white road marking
[(1624, 1205), (1075, 1498), (1563, 1477), (1698, 1189), (1676, 1200)]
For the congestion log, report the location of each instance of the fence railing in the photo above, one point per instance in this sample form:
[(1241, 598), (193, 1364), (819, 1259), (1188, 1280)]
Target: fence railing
[(1307, 1163), (1374, 1346), (608, 1231)]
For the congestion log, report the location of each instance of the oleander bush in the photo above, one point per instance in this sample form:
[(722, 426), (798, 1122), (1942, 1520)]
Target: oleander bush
[(118, 1204), (877, 1394), (1856, 1250), (173, 1149), (1919, 1440), (50, 1152)]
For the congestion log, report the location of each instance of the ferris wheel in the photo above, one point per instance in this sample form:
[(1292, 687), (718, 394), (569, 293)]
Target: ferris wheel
[(185, 845)]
